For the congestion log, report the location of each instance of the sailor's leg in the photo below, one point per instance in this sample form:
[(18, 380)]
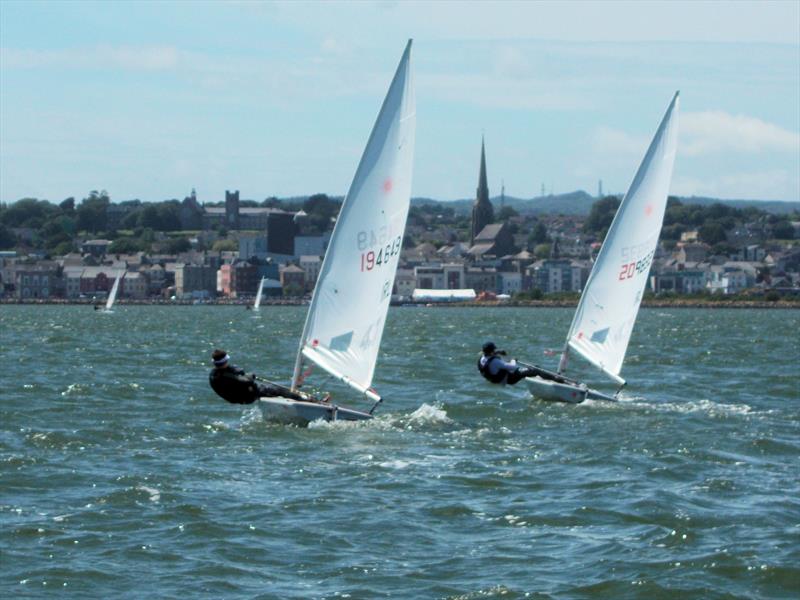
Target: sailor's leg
[(515, 376), (268, 389), (533, 371)]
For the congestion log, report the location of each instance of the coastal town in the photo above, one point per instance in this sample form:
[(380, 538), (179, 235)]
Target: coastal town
[(225, 251)]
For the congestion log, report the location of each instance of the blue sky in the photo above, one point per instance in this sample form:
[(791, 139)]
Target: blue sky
[(151, 99)]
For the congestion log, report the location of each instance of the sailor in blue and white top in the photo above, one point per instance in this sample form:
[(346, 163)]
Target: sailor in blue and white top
[(497, 370)]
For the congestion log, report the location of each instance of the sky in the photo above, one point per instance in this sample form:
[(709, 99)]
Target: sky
[(149, 100)]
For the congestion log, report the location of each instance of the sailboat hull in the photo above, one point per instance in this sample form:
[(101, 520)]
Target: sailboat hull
[(295, 412), (547, 389), (573, 393)]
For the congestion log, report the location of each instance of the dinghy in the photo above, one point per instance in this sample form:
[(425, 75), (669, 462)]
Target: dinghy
[(347, 314), (606, 313)]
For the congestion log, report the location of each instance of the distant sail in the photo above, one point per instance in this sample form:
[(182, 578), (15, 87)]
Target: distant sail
[(257, 303), (604, 319), (348, 310), (112, 295)]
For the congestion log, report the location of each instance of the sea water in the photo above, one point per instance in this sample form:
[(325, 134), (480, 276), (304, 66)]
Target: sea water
[(123, 475)]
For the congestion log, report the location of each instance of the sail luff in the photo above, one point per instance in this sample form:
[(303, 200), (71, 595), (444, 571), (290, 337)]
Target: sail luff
[(371, 219), (609, 304)]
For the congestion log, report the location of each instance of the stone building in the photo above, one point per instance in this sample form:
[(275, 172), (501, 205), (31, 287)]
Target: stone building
[(293, 279), (195, 280), (493, 240), (43, 280)]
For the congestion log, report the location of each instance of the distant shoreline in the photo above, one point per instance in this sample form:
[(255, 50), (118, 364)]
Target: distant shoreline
[(674, 303)]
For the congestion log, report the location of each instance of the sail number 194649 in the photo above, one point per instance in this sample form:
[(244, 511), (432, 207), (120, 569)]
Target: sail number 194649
[(372, 259)]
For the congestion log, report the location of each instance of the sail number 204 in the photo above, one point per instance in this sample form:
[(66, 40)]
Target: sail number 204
[(628, 270), (373, 258)]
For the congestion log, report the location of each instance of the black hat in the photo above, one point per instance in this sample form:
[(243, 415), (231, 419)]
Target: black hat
[(489, 347)]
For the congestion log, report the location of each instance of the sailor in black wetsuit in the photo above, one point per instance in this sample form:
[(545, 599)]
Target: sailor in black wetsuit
[(496, 370), (234, 385)]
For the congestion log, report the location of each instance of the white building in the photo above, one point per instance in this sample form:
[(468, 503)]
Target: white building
[(509, 282)]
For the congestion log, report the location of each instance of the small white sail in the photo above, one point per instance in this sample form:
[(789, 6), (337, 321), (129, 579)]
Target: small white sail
[(604, 319), (112, 295), (258, 295), (348, 310)]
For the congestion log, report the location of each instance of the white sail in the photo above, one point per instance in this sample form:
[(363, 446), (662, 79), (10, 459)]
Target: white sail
[(112, 295), (258, 295), (348, 310), (610, 301)]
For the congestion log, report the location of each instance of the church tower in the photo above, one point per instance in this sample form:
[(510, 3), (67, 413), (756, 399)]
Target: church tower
[(232, 209), (482, 210)]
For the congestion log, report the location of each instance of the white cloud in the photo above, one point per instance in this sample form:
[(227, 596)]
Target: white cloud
[(511, 62), (768, 184), (704, 133), (719, 132), (488, 91), (610, 141), (334, 47)]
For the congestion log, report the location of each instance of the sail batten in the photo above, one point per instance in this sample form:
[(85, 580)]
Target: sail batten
[(606, 313), (345, 321)]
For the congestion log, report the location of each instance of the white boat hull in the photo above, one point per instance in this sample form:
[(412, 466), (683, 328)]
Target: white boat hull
[(547, 389), (296, 412), (574, 393)]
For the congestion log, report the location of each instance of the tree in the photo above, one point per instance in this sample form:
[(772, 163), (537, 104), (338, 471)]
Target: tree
[(92, 212), (601, 215), (711, 233), (538, 235), (7, 238), (127, 245), (169, 216), (68, 206), (148, 217), (320, 209), (178, 245), (63, 248), (57, 231), (542, 250), (505, 213), (224, 245), (28, 212), (673, 232), (783, 230), (272, 202)]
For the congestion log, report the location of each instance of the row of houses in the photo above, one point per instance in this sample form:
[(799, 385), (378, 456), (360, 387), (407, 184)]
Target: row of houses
[(490, 264), (226, 275)]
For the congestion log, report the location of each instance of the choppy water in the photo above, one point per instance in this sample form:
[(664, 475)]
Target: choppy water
[(124, 476)]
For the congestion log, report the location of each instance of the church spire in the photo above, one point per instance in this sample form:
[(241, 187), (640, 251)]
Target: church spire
[(482, 210), (483, 187)]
